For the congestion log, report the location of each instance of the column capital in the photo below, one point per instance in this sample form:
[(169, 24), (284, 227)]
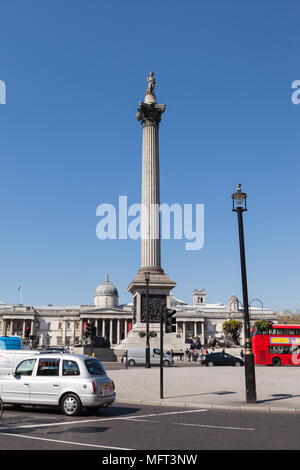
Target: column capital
[(150, 113)]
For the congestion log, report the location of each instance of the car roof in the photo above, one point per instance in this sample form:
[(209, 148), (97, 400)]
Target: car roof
[(64, 356)]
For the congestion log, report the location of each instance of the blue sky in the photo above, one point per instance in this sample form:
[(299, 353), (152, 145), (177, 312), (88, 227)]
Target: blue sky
[(75, 72)]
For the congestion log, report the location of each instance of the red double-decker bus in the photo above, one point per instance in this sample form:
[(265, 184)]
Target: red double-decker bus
[(280, 345)]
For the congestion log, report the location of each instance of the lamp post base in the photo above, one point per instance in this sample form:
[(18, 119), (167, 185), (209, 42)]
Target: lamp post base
[(250, 378), (147, 353)]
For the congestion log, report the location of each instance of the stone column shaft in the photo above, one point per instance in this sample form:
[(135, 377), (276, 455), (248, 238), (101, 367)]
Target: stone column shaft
[(111, 331), (118, 331), (202, 333), (150, 224)]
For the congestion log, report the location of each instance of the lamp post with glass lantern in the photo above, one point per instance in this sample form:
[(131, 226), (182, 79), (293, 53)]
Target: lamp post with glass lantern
[(240, 206)]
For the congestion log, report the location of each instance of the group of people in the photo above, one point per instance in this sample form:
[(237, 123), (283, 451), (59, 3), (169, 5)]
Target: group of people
[(190, 355), (194, 355)]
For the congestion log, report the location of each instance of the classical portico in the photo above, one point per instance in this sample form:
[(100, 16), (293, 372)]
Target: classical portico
[(16, 320), (113, 324)]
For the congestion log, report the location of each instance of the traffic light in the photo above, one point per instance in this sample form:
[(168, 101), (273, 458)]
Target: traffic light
[(88, 330), (27, 333), (170, 325), (93, 331)]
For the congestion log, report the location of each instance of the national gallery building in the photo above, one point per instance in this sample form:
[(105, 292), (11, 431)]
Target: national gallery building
[(56, 326)]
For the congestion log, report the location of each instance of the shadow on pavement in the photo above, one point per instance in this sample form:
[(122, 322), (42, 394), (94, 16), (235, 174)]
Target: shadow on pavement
[(278, 396), (80, 430)]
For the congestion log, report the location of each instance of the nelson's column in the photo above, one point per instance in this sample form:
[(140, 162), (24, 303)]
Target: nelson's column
[(159, 284)]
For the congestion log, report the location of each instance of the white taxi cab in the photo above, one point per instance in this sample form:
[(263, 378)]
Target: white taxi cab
[(69, 381)]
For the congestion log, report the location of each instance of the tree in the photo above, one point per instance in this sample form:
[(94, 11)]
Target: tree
[(263, 325), (288, 317), (232, 327)]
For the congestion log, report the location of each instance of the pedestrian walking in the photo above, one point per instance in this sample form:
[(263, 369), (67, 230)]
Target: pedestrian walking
[(180, 355), (186, 355)]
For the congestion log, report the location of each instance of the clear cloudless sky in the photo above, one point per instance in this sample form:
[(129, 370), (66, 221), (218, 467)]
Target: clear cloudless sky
[(75, 71)]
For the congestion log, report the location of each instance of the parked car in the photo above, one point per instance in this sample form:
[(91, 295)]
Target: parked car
[(54, 349), (70, 381), (221, 359)]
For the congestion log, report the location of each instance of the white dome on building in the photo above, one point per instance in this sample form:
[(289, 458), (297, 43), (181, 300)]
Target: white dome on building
[(106, 294)]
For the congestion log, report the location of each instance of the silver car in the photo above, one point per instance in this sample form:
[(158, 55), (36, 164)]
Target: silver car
[(69, 381)]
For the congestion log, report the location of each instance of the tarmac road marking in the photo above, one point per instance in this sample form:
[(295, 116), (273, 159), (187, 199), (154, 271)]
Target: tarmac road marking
[(63, 442), (115, 418), (165, 414), (216, 427)]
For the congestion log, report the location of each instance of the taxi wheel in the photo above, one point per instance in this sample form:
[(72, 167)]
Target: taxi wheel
[(70, 405)]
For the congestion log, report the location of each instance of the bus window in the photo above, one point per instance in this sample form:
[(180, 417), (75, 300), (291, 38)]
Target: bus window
[(280, 350), (290, 332)]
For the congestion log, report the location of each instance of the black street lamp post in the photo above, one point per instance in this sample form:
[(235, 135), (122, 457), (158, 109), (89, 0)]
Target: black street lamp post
[(147, 350), (240, 206), (161, 375)]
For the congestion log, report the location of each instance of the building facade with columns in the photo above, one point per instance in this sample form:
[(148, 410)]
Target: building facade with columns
[(205, 320), (65, 326), (62, 326)]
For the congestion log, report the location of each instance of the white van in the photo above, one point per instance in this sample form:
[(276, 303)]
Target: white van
[(11, 358), (137, 356)]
